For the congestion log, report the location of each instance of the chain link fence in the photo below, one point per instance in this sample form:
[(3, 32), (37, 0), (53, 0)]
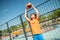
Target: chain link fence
[(19, 29)]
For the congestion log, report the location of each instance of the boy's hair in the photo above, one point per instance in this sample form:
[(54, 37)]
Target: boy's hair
[(34, 14)]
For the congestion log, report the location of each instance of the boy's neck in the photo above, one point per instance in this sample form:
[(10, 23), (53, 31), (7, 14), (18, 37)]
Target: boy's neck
[(33, 19)]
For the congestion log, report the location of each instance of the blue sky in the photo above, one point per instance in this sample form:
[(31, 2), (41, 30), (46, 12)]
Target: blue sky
[(12, 8)]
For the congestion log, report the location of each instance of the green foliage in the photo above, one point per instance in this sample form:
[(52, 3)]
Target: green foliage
[(19, 25), (42, 18), (0, 31), (13, 28), (25, 23), (6, 31), (57, 13)]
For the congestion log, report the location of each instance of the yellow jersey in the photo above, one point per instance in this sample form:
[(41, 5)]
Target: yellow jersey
[(35, 26)]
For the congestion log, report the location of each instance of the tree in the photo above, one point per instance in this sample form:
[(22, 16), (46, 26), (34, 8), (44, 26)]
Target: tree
[(6, 31), (19, 25), (54, 14), (57, 13), (0, 35), (42, 18), (13, 28), (25, 23)]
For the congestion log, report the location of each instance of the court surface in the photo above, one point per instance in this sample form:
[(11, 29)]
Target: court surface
[(50, 35)]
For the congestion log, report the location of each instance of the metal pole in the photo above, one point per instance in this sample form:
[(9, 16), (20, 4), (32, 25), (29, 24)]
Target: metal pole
[(9, 31), (23, 27), (30, 27), (31, 30)]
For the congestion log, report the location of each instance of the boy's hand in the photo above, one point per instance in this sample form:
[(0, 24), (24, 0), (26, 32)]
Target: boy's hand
[(32, 5)]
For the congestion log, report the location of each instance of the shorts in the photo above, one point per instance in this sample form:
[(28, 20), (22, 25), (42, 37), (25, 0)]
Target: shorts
[(38, 37)]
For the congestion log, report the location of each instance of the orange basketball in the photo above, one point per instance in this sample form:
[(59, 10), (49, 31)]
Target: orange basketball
[(28, 6)]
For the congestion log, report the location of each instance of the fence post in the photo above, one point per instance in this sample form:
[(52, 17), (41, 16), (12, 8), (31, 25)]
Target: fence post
[(9, 31), (23, 27), (31, 30)]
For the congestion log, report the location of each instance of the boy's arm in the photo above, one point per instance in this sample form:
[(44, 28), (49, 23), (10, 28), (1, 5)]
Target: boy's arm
[(26, 15), (36, 11)]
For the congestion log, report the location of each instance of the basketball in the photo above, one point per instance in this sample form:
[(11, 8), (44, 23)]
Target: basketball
[(28, 6)]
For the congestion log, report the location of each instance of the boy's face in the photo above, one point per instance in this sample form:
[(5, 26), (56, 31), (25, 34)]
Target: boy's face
[(33, 16)]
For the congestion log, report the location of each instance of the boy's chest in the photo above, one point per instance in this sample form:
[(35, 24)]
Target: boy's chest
[(34, 22)]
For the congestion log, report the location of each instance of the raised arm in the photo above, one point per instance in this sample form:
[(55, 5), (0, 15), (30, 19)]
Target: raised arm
[(26, 15), (37, 12)]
